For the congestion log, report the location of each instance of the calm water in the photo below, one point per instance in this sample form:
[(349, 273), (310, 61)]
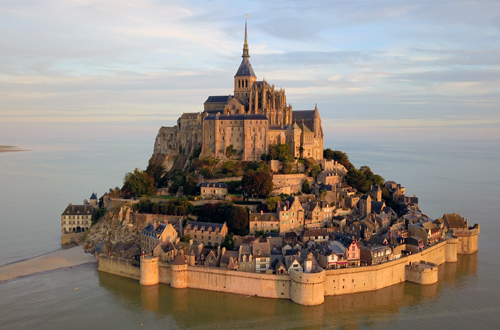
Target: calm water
[(36, 186)]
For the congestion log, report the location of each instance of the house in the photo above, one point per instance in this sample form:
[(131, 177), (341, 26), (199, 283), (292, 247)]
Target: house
[(365, 206), (261, 253), (206, 233), (266, 222), (377, 207), (315, 235), (166, 251), (429, 233), (77, 218), (245, 258), (384, 221), (155, 233), (370, 227), (291, 214), (414, 244), (349, 246), (213, 190), (329, 257), (310, 264), (229, 259), (374, 254), (294, 262), (375, 193)]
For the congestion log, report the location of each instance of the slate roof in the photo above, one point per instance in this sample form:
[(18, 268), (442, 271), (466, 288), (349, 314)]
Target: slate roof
[(218, 99), (214, 185), (245, 69), (346, 241), (93, 196), (377, 206), (315, 232), (207, 225), (227, 255), (189, 115), (298, 115), (261, 249), (78, 210), (237, 117)]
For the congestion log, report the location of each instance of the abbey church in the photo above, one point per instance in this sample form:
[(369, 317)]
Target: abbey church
[(243, 125)]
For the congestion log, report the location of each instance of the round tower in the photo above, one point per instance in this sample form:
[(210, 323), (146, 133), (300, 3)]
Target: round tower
[(307, 288), (149, 271), (179, 275)]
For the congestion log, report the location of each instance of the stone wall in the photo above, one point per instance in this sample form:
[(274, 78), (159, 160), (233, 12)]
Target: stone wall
[(72, 238), (302, 288), (289, 183), (251, 284), (118, 266)]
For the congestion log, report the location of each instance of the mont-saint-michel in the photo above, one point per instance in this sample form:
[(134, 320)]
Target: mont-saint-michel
[(243, 197)]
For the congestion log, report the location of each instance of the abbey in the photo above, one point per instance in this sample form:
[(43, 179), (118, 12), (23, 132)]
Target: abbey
[(243, 125)]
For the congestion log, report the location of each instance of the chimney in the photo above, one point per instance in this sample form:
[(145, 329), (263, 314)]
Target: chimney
[(261, 212), (287, 203), (156, 223)]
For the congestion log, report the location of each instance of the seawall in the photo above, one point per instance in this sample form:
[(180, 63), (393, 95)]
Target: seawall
[(302, 288)]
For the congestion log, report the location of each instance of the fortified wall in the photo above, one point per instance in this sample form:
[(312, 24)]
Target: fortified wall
[(302, 288), (289, 183)]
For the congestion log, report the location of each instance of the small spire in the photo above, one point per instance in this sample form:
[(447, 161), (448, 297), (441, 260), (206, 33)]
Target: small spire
[(245, 44)]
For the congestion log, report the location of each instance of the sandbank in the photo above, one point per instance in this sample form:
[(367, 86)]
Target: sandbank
[(55, 260)]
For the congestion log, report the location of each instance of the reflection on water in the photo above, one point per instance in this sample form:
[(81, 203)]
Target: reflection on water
[(200, 308)]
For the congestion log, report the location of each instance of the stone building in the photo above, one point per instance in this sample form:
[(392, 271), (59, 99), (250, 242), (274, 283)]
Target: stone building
[(76, 218), (216, 190), (156, 233), (206, 233), (242, 125)]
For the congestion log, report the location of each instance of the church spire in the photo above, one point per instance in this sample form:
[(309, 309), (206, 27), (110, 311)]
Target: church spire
[(245, 44)]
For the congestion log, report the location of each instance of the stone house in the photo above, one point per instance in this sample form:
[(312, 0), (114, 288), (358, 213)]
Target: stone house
[(315, 235), (213, 190), (77, 218), (245, 258), (280, 268), (328, 178), (294, 262), (374, 254), (206, 233), (375, 193), (384, 221), (429, 233), (291, 214), (229, 259), (365, 206), (166, 251), (455, 221), (155, 233), (310, 262), (329, 258), (267, 222)]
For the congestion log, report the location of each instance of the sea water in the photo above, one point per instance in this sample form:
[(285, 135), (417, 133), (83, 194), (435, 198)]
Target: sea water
[(36, 186)]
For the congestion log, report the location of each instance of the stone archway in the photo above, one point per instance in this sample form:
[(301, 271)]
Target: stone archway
[(78, 229)]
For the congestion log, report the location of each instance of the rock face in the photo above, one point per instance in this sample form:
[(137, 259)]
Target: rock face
[(116, 231)]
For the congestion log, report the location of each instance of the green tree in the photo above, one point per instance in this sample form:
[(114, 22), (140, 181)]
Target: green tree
[(306, 187), (339, 156), (228, 242), (357, 179), (272, 203), (137, 183)]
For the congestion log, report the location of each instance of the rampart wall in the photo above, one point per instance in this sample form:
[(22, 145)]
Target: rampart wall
[(118, 266), (302, 288)]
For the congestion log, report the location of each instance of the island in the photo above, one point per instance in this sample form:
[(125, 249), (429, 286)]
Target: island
[(242, 197)]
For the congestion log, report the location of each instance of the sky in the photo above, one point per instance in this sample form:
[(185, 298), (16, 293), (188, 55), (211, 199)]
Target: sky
[(378, 70)]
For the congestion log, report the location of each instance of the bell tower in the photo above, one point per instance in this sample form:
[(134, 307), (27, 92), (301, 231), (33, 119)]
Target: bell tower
[(245, 77)]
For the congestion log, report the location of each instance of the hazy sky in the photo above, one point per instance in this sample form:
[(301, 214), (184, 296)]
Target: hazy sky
[(378, 70)]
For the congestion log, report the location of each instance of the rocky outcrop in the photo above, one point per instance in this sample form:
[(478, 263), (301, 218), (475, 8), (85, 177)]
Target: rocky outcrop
[(117, 231)]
